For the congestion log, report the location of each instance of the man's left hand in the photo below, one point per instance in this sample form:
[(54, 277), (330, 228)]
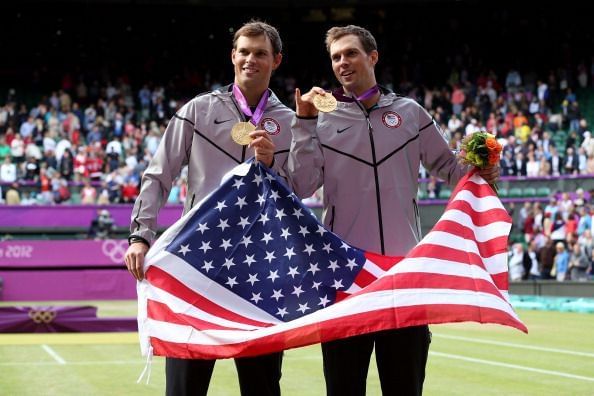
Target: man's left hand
[(490, 174)]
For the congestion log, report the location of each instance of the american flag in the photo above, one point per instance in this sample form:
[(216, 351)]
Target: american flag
[(250, 271)]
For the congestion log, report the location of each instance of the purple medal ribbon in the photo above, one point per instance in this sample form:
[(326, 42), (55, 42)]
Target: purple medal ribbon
[(368, 94), (256, 116)]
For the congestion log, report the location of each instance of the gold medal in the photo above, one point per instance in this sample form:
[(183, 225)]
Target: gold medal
[(240, 133), (325, 103)]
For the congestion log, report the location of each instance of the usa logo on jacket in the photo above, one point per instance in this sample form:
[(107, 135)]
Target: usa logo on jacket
[(271, 126), (391, 119)]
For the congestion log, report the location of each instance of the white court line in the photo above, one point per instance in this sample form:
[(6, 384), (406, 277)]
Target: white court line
[(83, 363), (511, 344), (433, 353), (514, 366), (53, 354)]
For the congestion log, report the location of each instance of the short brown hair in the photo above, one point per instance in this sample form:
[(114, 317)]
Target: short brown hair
[(365, 37), (256, 28)]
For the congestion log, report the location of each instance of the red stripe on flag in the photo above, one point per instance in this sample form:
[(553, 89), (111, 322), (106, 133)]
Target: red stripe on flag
[(461, 257), (340, 327), (480, 219), (364, 278), (384, 262), (486, 248), (479, 190), (161, 312), (501, 280), (163, 280)]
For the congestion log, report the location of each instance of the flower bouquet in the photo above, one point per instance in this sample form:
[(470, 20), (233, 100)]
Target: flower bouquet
[(482, 150)]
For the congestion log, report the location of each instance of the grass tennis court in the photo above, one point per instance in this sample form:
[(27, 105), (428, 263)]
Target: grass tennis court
[(555, 358)]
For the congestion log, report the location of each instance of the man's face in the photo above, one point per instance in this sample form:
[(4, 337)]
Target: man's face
[(352, 66), (254, 60)]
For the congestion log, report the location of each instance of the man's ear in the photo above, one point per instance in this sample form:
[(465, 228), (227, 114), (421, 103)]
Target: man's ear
[(277, 61), (374, 57)]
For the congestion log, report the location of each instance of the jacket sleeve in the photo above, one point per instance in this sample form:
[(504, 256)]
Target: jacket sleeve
[(171, 156), (306, 159), (436, 156)]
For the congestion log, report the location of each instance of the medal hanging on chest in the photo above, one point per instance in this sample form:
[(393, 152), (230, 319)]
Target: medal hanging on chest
[(240, 132)]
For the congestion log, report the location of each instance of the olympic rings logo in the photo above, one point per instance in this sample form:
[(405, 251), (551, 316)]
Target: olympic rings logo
[(42, 316), (115, 249)]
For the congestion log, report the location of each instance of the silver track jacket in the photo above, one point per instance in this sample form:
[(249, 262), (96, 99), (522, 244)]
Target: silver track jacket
[(368, 163), (199, 135)]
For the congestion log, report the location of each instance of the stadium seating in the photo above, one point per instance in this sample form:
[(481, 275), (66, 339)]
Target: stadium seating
[(445, 193), (515, 192), (529, 192), (543, 191)]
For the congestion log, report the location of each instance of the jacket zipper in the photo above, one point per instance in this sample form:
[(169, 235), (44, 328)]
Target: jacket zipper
[(417, 218), (331, 223), (376, 177)]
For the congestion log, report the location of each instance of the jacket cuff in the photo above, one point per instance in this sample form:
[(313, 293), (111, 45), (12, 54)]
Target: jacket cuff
[(138, 239)]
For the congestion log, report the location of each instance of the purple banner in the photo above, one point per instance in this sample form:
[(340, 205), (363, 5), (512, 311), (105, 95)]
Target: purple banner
[(62, 254), (60, 319), (75, 215), (75, 284)]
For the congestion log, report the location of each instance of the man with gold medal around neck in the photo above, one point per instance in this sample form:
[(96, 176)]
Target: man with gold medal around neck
[(366, 151), (199, 136)]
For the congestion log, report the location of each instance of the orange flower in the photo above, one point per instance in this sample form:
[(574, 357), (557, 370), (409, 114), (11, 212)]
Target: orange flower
[(492, 144)]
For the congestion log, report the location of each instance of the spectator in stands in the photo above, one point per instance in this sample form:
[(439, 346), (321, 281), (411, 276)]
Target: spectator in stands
[(561, 262), (516, 262), (556, 162), (13, 196), (571, 162), (88, 194), (585, 220), (4, 149), (558, 233), (129, 191), (8, 171), (546, 259), (17, 149), (579, 264), (531, 265), (532, 166)]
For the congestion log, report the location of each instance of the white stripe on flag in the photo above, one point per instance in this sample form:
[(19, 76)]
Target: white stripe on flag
[(478, 204), (205, 286), (482, 234), (182, 307), (441, 267), (359, 304)]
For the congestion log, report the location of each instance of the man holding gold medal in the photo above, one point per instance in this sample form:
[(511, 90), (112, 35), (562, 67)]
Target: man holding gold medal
[(211, 134), (364, 145)]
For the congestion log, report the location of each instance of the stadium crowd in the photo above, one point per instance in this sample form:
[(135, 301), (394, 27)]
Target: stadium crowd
[(95, 140)]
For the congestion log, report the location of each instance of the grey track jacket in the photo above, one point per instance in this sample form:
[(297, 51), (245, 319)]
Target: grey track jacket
[(199, 135), (368, 164)]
